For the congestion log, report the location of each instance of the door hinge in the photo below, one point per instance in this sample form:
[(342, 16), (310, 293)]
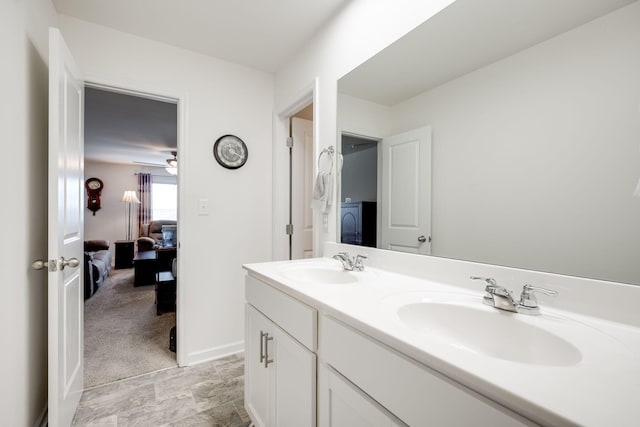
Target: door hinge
[(289, 230), (290, 141)]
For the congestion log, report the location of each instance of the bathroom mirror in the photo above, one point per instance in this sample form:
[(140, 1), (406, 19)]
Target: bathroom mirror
[(532, 109)]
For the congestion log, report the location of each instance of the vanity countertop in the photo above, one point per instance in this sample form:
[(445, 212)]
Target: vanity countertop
[(596, 385)]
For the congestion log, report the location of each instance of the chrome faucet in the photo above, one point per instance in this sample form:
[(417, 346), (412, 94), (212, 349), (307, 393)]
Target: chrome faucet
[(349, 263), (501, 298)]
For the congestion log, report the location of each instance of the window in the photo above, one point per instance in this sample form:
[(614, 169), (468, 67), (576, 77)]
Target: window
[(164, 198)]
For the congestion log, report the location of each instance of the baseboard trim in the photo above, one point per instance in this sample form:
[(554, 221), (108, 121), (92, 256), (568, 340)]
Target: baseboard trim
[(43, 419), (201, 356)]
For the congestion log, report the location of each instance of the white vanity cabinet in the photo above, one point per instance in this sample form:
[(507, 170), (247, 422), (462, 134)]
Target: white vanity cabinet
[(280, 371), (361, 381)]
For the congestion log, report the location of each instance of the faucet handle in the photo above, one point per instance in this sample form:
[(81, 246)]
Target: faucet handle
[(358, 265), (527, 297), (490, 280)]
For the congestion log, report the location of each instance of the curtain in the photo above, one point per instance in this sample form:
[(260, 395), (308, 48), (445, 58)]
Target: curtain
[(144, 189)]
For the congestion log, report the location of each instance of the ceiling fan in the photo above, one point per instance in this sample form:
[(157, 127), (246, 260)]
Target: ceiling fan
[(171, 167)]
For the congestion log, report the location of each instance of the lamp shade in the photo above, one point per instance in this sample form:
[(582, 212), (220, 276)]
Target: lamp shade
[(129, 196)]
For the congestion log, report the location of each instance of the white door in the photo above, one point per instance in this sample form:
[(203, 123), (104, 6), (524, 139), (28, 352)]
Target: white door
[(406, 192), (280, 375), (302, 188), (256, 390), (66, 169), (293, 378)]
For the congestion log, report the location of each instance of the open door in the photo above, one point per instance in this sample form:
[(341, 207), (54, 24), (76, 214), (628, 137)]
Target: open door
[(406, 192), (66, 172), (302, 188)]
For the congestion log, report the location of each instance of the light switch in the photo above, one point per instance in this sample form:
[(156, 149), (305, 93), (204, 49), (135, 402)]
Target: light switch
[(203, 207)]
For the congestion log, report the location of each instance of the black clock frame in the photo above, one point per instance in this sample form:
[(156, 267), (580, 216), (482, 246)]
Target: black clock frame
[(221, 161)]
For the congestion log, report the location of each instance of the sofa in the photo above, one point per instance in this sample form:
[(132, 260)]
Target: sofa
[(150, 235), (97, 261)]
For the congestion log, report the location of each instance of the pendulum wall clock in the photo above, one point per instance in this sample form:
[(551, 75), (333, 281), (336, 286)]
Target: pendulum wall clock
[(94, 188)]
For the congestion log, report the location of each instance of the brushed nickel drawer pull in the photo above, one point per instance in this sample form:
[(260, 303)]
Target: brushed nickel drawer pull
[(266, 350), (262, 356)]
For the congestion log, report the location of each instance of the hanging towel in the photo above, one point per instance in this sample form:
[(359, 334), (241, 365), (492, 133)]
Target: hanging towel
[(322, 192)]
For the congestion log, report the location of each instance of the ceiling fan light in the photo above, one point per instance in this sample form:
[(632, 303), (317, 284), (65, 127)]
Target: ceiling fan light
[(172, 162), (172, 170)]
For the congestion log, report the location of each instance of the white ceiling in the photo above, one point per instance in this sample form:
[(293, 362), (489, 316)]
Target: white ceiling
[(261, 34), (464, 37), (126, 129)]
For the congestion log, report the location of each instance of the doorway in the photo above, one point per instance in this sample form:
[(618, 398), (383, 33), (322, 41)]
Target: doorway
[(359, 191), (131, 147), (301, 183)]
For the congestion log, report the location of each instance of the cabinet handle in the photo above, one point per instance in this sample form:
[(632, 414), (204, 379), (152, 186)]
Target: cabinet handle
[(262, 356), (267, 338)]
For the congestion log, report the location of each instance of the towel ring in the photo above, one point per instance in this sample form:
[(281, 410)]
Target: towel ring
[(329, 151)]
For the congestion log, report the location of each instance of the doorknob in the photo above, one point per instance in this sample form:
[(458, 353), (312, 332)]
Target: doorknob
[(71, 262), (52, 265), (39, 264), (422, 239)]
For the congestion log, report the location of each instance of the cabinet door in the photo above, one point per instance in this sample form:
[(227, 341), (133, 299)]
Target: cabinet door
[(280, 375), (343, 405), (293, 376), (256, 376)]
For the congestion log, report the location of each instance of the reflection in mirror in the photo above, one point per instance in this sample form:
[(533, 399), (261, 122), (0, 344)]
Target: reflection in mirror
[(358, 207), (532, 111)]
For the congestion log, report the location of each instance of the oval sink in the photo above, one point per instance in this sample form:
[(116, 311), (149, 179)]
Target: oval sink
[(489, 331), (319, 274)]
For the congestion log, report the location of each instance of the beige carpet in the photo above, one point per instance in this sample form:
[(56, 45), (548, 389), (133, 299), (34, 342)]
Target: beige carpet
[(123, 336)]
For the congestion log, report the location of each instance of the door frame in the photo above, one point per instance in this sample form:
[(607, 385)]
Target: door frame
[(280, 177), (181, 101)]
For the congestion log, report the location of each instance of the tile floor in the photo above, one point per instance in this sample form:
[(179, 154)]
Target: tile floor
[(208, 394)]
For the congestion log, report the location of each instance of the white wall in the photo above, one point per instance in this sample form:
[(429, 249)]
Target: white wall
[(23, 120), (524, 147), (360, 30), (360, 175), (220, 98), (361, 117)]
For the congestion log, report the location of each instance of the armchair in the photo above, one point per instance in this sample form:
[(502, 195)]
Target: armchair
[(150, 235)]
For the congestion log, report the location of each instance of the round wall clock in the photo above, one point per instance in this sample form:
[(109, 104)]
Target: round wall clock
[(230, 151), (94, 188)]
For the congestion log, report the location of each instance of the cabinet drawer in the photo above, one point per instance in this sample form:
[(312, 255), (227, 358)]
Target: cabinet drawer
[(411, 391), (295, 317)]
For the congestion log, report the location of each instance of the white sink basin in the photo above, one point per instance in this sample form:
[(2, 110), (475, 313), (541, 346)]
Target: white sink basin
[(319, 273), (478, 328)]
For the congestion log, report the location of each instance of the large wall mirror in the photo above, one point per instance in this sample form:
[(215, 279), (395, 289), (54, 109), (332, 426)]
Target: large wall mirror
[(503, 132)]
